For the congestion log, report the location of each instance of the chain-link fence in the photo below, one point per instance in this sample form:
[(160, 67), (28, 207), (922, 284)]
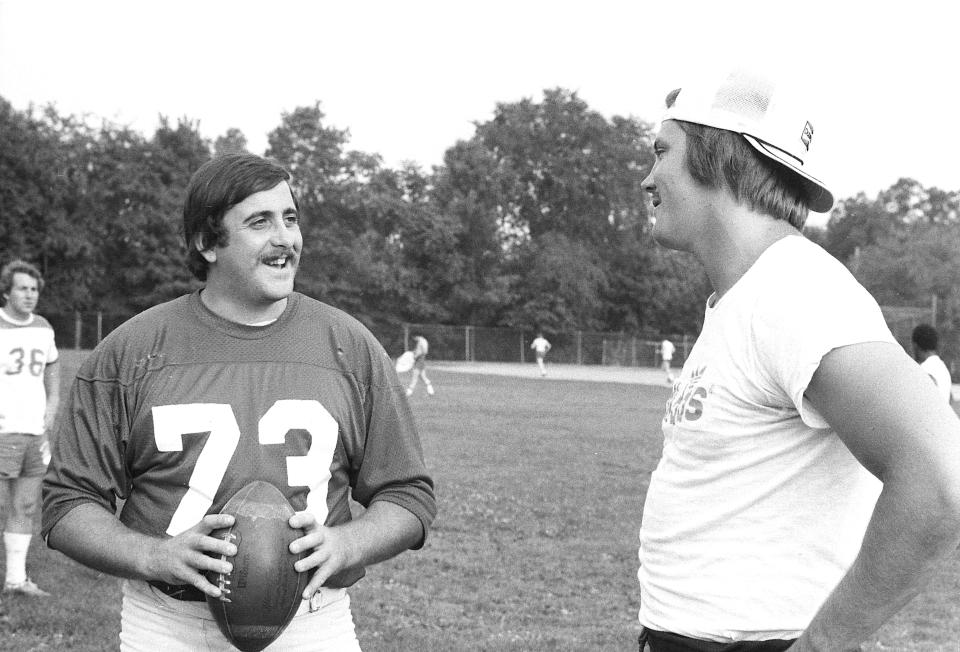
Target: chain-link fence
[(903, 319), (84, 330), (484, 344)]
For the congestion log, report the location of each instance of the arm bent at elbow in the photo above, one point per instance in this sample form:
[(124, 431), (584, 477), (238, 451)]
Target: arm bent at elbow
[(94, 537), (383, 531), (892, 420)]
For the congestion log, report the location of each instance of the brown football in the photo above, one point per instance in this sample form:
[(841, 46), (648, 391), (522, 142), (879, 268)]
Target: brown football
[(263, 592)]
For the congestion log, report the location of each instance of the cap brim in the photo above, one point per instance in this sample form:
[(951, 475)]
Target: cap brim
[(819, 198)]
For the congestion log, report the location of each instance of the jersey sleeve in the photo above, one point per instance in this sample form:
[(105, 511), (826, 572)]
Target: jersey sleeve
[(87, 465), (392, 467)]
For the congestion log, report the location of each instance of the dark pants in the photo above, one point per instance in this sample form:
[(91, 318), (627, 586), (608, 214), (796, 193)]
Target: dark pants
[(667, 642)]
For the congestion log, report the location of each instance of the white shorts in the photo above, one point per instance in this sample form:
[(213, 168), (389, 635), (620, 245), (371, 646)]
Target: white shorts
[(151, 621)]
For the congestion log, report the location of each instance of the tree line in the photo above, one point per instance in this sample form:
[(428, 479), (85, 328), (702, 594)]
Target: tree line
[(537, 221)]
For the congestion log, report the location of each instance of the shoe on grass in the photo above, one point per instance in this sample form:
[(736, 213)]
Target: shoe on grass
[(26, 587)]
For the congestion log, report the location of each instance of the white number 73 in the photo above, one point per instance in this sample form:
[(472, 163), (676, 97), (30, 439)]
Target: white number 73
[(172, 422)]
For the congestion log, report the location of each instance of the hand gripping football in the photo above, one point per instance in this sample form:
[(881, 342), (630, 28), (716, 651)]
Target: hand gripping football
[(263, 592)]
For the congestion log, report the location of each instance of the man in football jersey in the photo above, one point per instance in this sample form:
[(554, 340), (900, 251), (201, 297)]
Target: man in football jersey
[(809, 483), (29, 395), (420, 349), (243, 380), (926, 343), (540, 346)]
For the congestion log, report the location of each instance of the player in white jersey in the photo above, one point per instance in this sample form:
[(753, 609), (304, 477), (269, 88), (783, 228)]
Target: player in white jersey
[(810, 478), (926, 344), (540, 347), (29, 395), (242, 380)]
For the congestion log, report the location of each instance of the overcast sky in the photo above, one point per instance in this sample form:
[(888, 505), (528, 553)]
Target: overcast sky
[(409, 78)]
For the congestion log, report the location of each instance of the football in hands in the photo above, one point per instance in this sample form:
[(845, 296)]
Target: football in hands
[(263, 592)]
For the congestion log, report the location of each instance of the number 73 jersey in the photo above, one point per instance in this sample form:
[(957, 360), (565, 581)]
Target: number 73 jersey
[(178, 409)]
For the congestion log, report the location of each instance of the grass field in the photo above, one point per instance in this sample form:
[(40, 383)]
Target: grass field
[(540, 485)]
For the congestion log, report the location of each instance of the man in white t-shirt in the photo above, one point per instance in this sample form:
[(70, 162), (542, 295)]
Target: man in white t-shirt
[(29, 396), (810, 477), (666, 358), (926, 343), (540, 346)]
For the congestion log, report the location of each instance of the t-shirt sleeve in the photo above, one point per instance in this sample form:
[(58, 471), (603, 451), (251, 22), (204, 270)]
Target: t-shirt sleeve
[(87, 465), (393, 468), (794, 329)]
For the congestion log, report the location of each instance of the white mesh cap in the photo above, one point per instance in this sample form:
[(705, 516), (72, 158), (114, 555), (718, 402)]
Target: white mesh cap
[(773, 121)]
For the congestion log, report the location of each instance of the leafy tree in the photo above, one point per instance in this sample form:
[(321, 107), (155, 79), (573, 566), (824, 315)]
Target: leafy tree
[(908, 271), (566, 168), (232, 142), (373, 243), (428, 265), (24, 182), (654, 289), (554, 217), (132, 205), (860, 222), (322, 174), (562, 280), (38, 152), (468, 192), (43, 165)]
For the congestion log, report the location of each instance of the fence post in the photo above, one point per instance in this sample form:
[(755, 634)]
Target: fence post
[(579, 347), (406, 337), (523, 350), (466, 343), (99, 326), (633, 351), (77, 325), (933, 310)]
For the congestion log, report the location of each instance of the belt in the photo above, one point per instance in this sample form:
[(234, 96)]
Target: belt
[(185, 592)]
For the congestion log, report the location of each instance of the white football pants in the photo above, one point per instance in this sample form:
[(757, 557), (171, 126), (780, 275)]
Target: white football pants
[(151, 621)]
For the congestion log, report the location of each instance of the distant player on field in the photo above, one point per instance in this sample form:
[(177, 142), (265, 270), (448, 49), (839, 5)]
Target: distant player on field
[(926, 343), (242, 380), (666, 358), (810, 478), (420, 349), (541, 346), (29, 396)]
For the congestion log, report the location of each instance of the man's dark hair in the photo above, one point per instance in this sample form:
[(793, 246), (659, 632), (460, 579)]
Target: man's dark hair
[(925, 337), (215, 188), (18, 267)]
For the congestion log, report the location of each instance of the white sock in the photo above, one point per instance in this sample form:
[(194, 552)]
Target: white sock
[(16, 545)]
